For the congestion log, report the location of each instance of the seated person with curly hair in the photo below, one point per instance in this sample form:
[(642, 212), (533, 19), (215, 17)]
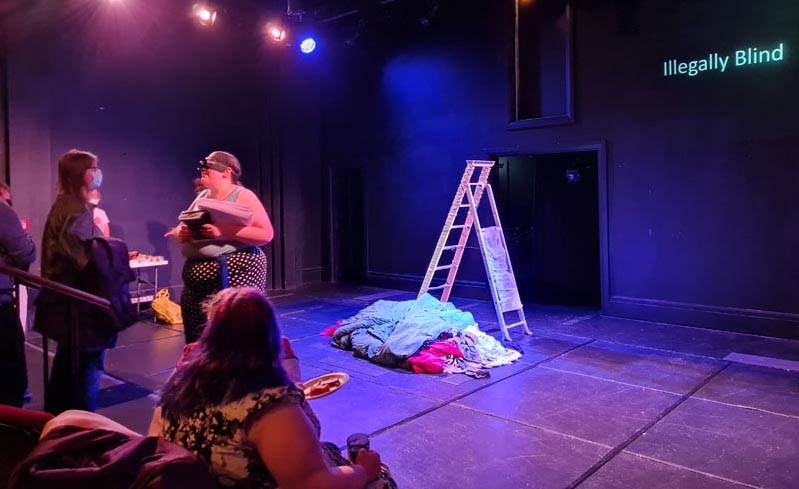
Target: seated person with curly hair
[(233, 406)]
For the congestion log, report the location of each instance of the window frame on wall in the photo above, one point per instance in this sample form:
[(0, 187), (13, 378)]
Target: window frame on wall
[(567, 116)]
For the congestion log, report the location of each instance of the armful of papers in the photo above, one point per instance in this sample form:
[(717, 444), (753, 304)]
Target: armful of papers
[(225, 212)]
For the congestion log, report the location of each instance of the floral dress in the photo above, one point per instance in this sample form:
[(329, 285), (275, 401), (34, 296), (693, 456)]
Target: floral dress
[(217, 435)]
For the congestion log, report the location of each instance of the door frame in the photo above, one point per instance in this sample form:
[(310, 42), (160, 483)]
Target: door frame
[(602, 192)]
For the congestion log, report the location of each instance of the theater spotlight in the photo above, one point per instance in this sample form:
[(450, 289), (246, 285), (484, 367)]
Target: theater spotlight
[(275, 31), (204, 15), (308, 45)]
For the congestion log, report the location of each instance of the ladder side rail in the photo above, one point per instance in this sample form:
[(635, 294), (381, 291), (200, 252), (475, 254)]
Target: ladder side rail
[(473, 202), (436, 258), (458, 254), (444, 236), (489, 274), (497, 221)]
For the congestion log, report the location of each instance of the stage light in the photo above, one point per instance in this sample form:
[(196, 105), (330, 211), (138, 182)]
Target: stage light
[(308, 45), (275, 32), (204, 15)]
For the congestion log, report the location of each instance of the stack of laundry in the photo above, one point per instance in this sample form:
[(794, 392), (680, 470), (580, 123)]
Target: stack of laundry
[(423, 335)]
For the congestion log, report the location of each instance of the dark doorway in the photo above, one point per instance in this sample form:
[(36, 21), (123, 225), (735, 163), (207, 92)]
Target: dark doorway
[(549, 208), (349, 225)]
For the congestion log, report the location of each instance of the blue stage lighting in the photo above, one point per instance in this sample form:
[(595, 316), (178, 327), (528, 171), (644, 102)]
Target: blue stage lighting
[(308, 45)]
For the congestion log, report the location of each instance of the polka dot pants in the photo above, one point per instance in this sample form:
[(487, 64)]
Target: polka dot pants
[(202, 278)]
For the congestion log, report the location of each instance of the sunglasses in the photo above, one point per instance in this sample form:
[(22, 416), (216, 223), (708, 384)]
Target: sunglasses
[(206, 164)]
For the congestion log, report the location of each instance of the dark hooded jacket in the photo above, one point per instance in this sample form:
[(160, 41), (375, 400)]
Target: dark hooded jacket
[(74, 254)]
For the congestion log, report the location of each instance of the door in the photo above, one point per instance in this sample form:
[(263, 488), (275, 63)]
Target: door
[(550, 214)]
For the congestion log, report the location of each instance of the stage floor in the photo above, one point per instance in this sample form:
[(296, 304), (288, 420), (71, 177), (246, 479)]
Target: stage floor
[(595, 402)]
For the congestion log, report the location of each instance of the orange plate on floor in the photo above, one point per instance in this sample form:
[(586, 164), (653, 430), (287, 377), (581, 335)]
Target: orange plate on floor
[(324, 384)]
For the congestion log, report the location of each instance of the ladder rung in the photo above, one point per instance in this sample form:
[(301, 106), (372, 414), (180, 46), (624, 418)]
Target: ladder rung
[(451, 247), (437, 287), (474, 184), (445, 267), (509, 326), (463, 205), (489, 164), (458, 226)]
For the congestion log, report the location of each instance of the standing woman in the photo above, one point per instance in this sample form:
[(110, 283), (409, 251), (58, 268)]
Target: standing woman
[(69, 228), (231, 253)]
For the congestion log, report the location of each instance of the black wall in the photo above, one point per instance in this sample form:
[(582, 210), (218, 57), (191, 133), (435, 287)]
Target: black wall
[(697, 175), (700, 172), (151, 93)]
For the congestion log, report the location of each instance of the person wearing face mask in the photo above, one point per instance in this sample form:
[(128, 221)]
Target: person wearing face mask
[(230, 254), (17, 250), (100, 217), (65, 255)]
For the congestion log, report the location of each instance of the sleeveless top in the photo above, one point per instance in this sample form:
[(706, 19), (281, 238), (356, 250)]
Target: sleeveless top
[(211, 248), (217, 435)]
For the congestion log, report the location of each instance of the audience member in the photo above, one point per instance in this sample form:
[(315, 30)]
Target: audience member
[(233, 405), (65, 255), (230, 256), (198, 185), (17, 250)]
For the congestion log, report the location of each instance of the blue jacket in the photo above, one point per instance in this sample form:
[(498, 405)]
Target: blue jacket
[(16, 247)]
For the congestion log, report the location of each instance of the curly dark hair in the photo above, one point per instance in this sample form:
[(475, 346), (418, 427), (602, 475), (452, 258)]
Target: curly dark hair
[(238, 353)]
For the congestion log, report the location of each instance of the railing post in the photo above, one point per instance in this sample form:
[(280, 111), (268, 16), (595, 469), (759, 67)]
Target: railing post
[(73, 347), (45, 364)]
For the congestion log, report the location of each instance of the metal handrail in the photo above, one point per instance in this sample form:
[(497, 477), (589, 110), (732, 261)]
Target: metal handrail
[(35, 280), (26, 278)]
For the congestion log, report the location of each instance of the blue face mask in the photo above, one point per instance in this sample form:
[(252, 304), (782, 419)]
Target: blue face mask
[(97, 179)]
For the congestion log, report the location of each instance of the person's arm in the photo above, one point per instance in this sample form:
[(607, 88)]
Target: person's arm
[(181, 232), (258, 233), (155, 423), (289, 360), (288, 447), (16, 245), (102, 222)]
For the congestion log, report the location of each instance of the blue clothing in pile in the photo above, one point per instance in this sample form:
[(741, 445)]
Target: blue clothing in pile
[(389, 332)]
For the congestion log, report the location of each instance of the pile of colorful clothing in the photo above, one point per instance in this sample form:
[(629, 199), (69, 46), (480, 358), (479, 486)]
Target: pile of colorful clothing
[(423, 335)]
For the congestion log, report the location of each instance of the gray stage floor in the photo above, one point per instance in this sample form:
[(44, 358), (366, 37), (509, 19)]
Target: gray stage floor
[(594, 402)]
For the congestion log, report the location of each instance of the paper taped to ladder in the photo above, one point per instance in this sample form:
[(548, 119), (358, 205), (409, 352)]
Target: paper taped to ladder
[(500, 270), (495, 251), (506, 290)]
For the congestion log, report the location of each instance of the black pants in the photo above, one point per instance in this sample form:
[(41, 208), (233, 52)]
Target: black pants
[(13, 372), (63, 392)]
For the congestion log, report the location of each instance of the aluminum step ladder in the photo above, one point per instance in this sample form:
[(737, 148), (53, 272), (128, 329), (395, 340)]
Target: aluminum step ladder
[(463, 216)]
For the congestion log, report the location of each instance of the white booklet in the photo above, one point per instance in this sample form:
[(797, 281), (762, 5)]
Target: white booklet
[(225, 212)]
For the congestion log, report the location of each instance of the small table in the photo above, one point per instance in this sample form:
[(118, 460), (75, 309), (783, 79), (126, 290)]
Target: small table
[(138, 265)]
